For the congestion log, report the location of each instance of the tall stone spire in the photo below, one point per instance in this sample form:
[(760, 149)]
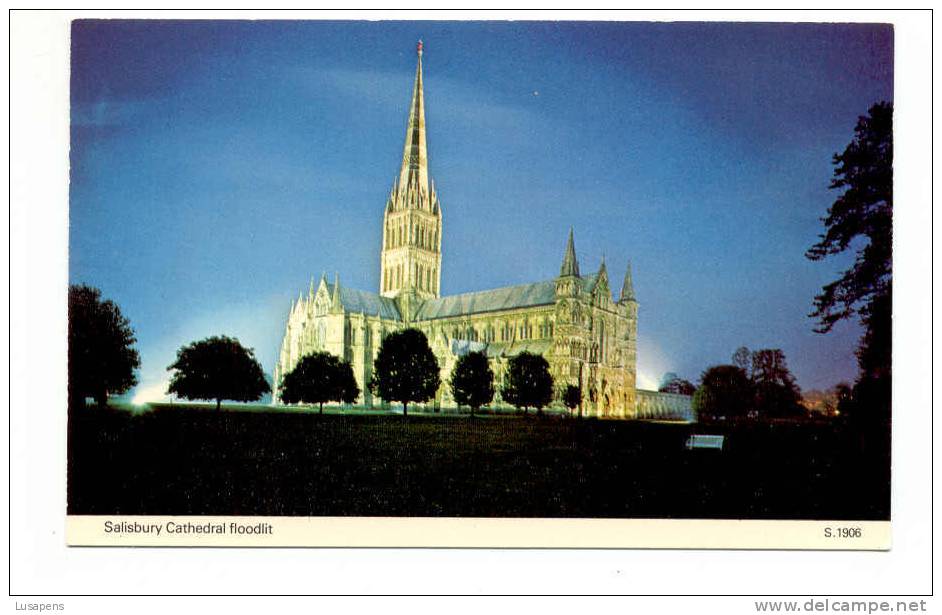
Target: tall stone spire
[(411, 256), (570, 264), (415, 153), (628, 287)]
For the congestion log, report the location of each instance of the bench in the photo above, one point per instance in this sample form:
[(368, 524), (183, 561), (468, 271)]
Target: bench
[(704, 441)]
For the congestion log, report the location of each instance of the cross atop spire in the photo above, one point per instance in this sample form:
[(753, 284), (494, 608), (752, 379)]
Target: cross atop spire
[(570, 264), (415, 153)]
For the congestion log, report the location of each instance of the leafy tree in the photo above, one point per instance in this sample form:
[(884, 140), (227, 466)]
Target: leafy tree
[(472, 381), (217, 368), (572, 398), (405, 369), (318, 378), (862, 217), (724, 391), (529, 383), (777, 394), (677, 385), (349, 390), (101, 354)]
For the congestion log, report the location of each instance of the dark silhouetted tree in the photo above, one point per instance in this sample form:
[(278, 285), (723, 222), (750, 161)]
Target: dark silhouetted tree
[(472, 381), (776, 393), (318, 378), (572, 398), (101, 354), (845, 399), (349, 389), (405, 369), (677, 385), (862, 218), (529, 383), (217, 368), (724, 392)]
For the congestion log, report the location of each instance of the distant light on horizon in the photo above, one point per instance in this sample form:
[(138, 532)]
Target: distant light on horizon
[(647, 382), (151, 393)]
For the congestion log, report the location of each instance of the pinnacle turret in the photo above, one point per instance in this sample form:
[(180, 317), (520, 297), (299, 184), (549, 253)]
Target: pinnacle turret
[(335, 296), (628, 287), (570, 263)]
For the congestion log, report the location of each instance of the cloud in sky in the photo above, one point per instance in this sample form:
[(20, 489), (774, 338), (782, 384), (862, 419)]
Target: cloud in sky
[(107, 112)]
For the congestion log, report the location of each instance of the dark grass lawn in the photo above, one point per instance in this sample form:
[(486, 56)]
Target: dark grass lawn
[(197, 461)]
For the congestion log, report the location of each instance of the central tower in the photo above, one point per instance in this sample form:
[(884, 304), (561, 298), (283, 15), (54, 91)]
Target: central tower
[(411, 257)]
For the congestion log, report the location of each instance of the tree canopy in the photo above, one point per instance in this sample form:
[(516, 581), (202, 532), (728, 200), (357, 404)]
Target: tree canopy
[(217, 368), (472, 381), (724, 392), (572, 398), (405, 369), (349, 389), (776, 393), (101, 354), (529, 383), (864, 210), (672, 383), (318, 378), (862, 218)]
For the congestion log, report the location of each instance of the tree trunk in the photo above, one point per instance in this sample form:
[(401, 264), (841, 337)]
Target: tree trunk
[(218, 402), (472, 411), (321, 411), (405, 409)]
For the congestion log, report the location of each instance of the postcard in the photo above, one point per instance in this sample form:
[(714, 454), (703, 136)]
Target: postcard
[(480, 284)]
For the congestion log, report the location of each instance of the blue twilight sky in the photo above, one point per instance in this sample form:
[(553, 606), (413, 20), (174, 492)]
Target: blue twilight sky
[(217, 165)]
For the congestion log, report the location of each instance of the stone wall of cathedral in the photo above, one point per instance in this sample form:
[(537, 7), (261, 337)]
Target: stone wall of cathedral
[(587, 338)]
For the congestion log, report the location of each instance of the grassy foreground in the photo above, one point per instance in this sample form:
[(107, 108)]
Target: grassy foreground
[(197, 461)]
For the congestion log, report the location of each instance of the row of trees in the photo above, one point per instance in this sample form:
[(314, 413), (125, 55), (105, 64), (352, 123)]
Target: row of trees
[(755, 385), (406, 371), (102, 358), (102, 361)]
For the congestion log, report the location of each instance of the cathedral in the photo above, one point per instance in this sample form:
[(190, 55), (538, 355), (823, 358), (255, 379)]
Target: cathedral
[(587, 335)]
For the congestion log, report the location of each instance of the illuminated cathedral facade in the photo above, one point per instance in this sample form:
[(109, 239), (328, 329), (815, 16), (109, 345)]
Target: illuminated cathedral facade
[(588, 336)]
